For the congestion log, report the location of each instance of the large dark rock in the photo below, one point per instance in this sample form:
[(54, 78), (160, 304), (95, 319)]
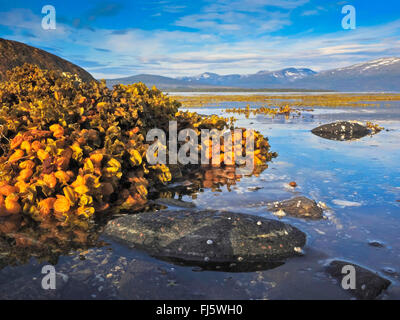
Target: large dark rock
[(369, 284), (342, 131), (300, 207), (211, 240), (14, 54)]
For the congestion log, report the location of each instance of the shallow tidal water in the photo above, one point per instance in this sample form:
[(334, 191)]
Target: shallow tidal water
[(359, 181)]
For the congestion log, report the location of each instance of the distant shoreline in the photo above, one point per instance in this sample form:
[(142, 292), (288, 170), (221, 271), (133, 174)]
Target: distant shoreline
[(240, 90)]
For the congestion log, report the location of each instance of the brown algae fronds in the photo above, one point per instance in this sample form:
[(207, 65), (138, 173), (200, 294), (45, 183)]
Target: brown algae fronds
[(71, 149)]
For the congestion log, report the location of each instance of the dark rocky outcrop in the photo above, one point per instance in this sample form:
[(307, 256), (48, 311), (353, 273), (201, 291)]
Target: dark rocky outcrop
[(14, 54), (369, 284), (299, 207), (342, 131), (211, 240)]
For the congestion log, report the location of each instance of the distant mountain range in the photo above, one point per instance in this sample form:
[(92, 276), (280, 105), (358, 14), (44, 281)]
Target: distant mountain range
[(158, 81), (13, 54), (262, 79), (376, 75)]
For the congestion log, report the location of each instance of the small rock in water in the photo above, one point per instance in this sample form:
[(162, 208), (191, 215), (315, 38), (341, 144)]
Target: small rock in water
[(369, 285), (342, 131), (300, 207), (376, 244), (254, 188), (389, 271)]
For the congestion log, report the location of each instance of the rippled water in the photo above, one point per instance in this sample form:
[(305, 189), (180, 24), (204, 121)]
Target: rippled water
[(358, 180)]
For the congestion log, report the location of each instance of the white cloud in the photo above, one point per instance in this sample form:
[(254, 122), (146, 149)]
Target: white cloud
[(244, 17), (177, 53), (254, 5), (314, 12)]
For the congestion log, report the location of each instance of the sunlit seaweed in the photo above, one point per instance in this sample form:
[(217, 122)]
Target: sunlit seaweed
[(72, 154), (374, 127), (71, 149), (273, 112)]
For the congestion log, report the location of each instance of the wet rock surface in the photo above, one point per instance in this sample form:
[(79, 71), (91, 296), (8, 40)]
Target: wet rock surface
[(15, 53), (342, 131), (369, 284), (221, 241), (299, 207)]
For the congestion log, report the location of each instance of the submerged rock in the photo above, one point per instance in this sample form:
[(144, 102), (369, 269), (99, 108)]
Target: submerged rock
[(253, 189), (213, 240), (300, 207), (342, 131), (369, 285), (376, 244)]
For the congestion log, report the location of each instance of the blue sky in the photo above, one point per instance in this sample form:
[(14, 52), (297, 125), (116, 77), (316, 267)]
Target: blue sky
[(174, 38)]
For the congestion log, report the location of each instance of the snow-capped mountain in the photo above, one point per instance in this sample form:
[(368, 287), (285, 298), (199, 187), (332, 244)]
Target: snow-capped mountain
[(261, 79), (290, 74), (211, 79), (379, 65), (375, 75)]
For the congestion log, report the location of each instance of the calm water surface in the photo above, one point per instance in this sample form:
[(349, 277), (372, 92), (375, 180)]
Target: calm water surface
[(358, 180)]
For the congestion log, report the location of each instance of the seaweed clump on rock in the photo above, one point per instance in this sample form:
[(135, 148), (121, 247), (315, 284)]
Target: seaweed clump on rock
[(70, 150)]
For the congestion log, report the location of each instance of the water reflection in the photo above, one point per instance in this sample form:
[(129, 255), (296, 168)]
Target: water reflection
[(196, 179), (21, 237)]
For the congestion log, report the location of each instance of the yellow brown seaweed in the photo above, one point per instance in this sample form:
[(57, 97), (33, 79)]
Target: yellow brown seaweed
[(70, 149)]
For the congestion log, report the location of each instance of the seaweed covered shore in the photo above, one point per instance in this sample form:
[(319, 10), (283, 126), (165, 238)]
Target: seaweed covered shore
[(72, 153)]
